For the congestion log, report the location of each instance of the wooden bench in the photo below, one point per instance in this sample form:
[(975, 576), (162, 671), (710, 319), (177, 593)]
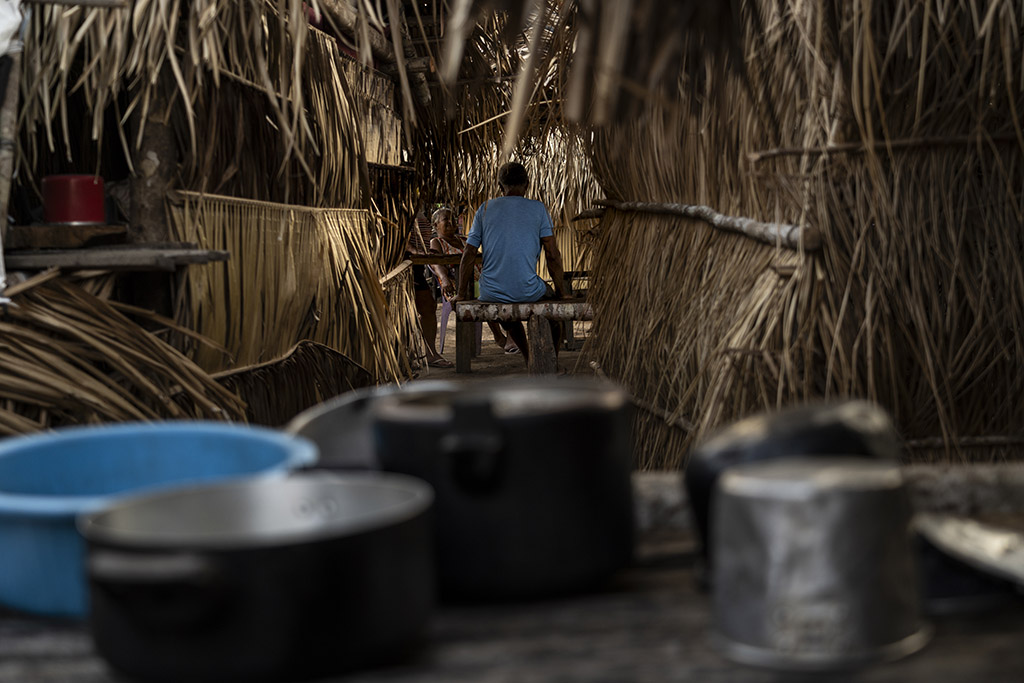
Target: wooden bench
[(536, 314)]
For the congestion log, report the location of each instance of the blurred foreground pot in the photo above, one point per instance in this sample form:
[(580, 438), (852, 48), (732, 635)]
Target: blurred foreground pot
[(814, 567), (532, 479), (48, 479), (262, 580), (851, 428)]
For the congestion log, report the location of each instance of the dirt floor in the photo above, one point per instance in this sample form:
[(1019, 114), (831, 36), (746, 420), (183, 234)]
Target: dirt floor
[(493, 361)]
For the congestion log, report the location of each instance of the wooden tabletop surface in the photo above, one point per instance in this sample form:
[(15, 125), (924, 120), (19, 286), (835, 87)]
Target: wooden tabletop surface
[(652, 624)]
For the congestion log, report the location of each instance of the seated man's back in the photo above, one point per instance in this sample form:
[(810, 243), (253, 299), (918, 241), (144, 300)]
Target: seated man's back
[(509, 231)]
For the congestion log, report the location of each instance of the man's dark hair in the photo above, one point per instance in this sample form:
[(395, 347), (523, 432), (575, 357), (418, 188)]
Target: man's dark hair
[(513, 174)]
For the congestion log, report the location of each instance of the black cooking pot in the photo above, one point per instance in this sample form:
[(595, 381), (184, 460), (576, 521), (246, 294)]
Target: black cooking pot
[(270, 579), (532, 479), (852, 428)]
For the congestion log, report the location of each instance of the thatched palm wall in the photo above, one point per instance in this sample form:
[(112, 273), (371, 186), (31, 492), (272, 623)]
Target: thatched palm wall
[(263, 107), (897, 134)]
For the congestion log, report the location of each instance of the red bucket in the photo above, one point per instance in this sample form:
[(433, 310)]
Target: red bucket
[(74, 199)]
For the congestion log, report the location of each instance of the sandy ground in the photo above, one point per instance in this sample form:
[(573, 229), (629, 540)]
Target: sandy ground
[(493, 361)]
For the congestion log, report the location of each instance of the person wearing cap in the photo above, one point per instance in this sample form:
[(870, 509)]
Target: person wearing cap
[(511, 231)]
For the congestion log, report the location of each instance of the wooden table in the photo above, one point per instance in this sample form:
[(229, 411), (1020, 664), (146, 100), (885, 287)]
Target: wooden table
[(651, 624)]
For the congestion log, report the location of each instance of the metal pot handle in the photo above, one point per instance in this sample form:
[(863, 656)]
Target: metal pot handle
[(474, 449), (108, 566), (161, 592)]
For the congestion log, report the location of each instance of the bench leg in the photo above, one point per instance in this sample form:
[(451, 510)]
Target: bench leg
[(465, 342), (542, 348)]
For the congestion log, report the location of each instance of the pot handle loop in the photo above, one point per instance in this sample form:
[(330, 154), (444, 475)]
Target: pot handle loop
[(107, 566), (474, 447), (162, 591)]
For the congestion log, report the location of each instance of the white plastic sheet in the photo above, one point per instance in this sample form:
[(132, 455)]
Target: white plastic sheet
[(10, 22)]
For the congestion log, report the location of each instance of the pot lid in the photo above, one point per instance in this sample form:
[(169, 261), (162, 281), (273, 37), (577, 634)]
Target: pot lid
[(261, 512), (507, 398)]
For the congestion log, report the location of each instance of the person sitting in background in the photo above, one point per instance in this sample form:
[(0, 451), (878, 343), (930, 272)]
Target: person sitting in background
[(447, 240), (426, 301), (512, 230)]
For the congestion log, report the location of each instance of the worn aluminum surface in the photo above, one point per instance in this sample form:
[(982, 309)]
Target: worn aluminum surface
[(995, 550), (814, 566)]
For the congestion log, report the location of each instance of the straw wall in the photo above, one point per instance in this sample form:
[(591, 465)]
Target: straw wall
[(892, 128), (296, 274)]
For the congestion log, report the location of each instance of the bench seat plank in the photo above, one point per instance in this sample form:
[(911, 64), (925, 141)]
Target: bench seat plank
[(536, 313), (560, 309)]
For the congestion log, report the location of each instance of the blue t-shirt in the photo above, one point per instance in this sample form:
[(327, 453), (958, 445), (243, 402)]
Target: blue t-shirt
[(508, 231)]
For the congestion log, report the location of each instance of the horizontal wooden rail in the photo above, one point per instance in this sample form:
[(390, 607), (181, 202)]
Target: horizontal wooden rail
[(782, 234)]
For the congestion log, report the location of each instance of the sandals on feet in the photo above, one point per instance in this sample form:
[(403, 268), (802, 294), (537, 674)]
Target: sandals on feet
[(440, 363), (511, 350)]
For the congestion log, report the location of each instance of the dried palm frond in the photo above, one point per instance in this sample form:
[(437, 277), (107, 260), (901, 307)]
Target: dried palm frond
[(69, 357), (900, 143), (309, 373), (295, 274)]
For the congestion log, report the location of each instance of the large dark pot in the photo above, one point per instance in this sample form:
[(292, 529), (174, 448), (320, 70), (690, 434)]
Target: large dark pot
[(262, 580), (532, 479), (852, 428)]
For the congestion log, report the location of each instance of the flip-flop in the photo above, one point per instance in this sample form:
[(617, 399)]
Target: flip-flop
[(514, 349), (440, 363)]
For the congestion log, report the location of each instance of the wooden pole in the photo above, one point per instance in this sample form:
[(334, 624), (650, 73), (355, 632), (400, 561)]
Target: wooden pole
[(542, 359), (156, 163), (8, 133), (782, 234)]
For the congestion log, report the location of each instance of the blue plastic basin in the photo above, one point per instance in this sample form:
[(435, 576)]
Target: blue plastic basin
[(46, 480)]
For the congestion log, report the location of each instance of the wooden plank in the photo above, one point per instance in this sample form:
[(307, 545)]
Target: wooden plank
[(557, 309), (113, 258), (542, 360), (60, 236), (396, 271), (439, 259), (111, 4)]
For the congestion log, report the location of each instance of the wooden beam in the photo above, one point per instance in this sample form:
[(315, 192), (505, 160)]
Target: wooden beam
[(440, 259), (110, 4), (396, 271), (783, 234), (346, 18), (51, 236), (114, 258)]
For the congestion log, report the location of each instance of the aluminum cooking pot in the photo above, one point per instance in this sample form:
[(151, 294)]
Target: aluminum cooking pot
[(532, 478), (850, 428), (261, 580), (342, 428)]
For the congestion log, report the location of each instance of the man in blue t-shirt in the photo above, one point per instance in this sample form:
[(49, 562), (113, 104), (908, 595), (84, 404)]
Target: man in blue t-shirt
[(511, 230)]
